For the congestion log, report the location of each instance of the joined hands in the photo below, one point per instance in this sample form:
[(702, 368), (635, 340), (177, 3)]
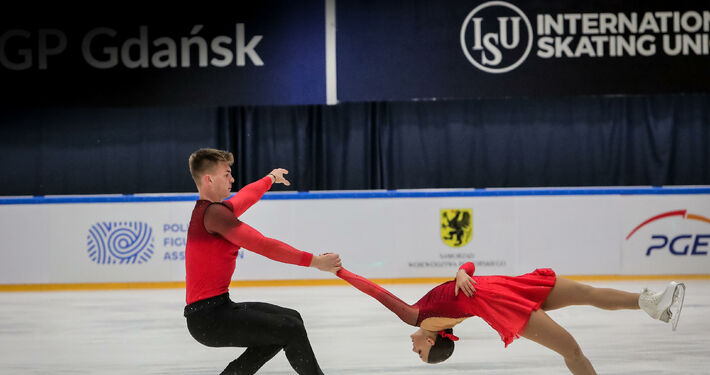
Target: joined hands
[(328, 262)]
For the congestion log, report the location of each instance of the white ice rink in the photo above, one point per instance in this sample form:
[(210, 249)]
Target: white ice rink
[(144, 332)]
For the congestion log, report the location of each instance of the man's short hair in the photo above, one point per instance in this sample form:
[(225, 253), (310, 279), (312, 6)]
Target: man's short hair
[(204, 159)]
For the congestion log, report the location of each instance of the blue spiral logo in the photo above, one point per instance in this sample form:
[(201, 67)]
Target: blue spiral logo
[(120, 242)]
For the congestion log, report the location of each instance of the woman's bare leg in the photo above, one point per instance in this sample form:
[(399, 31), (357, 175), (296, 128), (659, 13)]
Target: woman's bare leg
[(545, 331), (568, 292)]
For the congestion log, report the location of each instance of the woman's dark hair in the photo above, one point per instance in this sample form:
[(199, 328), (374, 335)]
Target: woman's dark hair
[(442, 349)]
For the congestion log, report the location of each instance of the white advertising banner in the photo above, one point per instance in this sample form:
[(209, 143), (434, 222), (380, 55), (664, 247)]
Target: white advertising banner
[(574, 235), (386, 238), (381, 237)]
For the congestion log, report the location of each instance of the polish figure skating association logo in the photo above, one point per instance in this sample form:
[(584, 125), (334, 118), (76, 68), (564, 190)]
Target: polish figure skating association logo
[(456, 226), (126, 242), (496, 37)]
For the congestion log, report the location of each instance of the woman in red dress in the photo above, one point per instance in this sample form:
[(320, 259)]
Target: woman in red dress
[(514, 307)]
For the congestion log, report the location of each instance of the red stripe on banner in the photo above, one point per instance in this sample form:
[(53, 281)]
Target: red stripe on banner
[(661, 216)]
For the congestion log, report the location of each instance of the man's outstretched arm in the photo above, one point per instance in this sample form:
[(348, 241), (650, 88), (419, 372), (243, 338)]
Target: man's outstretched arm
[(219, 219), (250, 194)]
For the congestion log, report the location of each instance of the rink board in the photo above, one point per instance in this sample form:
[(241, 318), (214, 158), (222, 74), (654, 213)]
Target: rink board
[(403, 234)]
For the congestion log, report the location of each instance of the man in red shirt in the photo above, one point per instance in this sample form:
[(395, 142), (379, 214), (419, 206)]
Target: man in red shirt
[(214, 237)]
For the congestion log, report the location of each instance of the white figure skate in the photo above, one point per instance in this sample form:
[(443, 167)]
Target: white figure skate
[(664, 306)]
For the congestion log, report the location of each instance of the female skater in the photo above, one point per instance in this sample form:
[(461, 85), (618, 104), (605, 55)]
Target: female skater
[(514, 307)]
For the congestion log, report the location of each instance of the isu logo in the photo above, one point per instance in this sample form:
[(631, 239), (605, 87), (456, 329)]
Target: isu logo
[(496, 37), (456, 226), (120, 242)]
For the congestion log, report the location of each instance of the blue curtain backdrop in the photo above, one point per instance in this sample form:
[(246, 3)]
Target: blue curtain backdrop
[(573, 141)]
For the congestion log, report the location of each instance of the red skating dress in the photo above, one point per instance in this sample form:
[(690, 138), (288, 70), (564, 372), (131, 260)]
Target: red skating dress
[(504, 302)]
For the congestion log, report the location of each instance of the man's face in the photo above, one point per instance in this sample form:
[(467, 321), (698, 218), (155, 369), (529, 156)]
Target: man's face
[(221, 180)]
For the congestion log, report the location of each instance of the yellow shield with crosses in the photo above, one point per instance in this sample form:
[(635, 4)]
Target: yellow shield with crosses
[(456, 226)]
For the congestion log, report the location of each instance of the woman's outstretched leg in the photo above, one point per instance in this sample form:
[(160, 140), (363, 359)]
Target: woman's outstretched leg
[(568, 292), (545, 331)]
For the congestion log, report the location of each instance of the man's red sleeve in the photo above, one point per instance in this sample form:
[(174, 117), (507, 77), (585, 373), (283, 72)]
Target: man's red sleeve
[(219, 219), (248, 195)]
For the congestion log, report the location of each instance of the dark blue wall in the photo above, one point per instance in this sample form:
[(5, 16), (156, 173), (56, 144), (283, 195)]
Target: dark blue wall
[(580, 141)]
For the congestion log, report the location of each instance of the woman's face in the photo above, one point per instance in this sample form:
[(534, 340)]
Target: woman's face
[(422, 341)]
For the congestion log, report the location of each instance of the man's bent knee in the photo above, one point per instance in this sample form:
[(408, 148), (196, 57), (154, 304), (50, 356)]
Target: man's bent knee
[(296, 315), (293, 325)]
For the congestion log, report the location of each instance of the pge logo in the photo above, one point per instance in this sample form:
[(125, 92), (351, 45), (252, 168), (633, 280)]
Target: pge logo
[(120, 242), (496, 37), (677, 244)]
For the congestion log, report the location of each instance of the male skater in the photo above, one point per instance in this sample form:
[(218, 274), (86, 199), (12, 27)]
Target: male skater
[(213, 241)]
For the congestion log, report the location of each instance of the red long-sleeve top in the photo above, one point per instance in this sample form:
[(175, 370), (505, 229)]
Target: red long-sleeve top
[(215, 235), (504, 302)]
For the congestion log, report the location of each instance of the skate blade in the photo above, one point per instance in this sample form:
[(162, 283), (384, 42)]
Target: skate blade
[(669, 296), (677, 305)]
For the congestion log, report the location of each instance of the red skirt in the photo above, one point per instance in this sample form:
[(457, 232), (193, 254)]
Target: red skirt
[(506, 302)]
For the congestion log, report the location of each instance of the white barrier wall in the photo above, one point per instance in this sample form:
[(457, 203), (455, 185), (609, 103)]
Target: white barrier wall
[(379, 237)]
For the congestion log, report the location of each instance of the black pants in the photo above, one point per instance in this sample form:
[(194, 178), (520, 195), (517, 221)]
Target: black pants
[(262, 328)]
